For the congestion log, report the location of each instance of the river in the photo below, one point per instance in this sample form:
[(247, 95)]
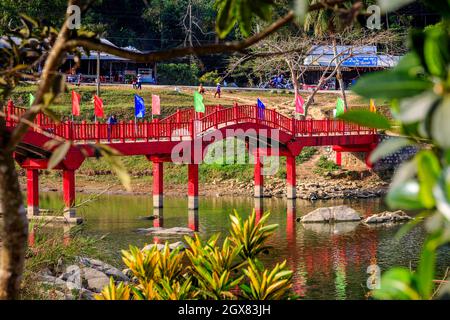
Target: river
[(329, 261)]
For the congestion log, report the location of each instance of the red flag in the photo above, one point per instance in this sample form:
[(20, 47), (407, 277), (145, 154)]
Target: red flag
[(156, 105), (98, 107), (299, 102), (76, 101)]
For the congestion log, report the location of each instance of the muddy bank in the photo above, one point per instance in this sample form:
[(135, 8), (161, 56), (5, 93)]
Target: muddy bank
[(311, 188)]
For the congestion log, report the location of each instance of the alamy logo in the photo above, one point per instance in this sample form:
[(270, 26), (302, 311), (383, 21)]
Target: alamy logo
[(373, 282), (374, 20), (74, 17)]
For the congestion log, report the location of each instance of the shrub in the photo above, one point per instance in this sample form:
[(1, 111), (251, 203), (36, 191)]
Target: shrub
[(228, 271), (210, 78), (324, 166), (178, 74)]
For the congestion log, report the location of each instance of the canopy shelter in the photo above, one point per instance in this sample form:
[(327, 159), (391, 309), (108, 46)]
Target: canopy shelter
[(112, 67)]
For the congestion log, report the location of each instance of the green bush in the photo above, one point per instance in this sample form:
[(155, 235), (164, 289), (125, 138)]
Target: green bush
[(324, 166), (210, 78), (178, 74)]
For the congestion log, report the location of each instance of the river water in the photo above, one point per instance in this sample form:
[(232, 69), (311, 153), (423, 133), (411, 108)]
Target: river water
[(329, 261)]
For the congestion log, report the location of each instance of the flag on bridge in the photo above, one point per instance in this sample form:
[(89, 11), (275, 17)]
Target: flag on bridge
[(340, 107), (156, 105), (31, 99), (261, 108), (373, 108), (98, 107), (139, 106), (299, 103), (198, 102), (76, 101)]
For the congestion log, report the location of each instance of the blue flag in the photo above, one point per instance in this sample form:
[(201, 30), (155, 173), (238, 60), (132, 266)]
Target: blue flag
[(139, 107), (261, 108)]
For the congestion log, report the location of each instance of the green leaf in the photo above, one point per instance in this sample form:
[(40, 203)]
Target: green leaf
[(226, 19), (405, 196), (58, 155), (436, 51), (440, 128), (425, 270), (392, 5), (416, 109), (428, 171), (388, 147), (391, 85), (396, 284), (366, 118)]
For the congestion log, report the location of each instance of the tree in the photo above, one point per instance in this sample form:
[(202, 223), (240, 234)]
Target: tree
[(327, 22), (40, 43)]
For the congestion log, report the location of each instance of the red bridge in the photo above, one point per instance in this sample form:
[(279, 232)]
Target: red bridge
[(271, 132)]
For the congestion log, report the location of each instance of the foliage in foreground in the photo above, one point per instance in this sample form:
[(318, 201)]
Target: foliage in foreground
[(419, 88), (215, 272)]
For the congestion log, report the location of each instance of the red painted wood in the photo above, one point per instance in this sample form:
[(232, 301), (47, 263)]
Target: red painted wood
[(69, 188), (193, 179), (290, 171), (33, 188), (259, 179), (158, 178)]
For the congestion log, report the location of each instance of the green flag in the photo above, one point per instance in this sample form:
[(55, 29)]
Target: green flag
[(340, 107), (31, 99), (198, 102)]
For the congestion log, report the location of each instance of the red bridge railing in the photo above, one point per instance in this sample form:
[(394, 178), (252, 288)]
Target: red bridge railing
[(185, 124)]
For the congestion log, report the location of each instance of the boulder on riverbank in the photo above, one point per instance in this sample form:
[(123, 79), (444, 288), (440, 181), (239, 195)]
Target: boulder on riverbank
[(328, 229), (388, 217), (169, 231), (331, 214), (172, 246)]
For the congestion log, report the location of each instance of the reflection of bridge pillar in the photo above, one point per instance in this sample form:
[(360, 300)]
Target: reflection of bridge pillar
[(69, 193), (193, 219), (291, 219), (259, 208), (158, 213), (193, 186), (259, 180), (33, 192), (158, 184), (291, 177)]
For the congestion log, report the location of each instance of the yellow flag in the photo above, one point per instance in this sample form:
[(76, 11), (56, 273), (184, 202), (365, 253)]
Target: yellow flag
[(373, 108)]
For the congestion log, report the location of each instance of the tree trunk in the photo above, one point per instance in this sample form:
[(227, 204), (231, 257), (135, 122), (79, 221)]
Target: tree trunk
[(339, 73), (15, 223), (310, 99)]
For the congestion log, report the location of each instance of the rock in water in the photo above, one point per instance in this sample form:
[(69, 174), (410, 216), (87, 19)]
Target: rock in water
[(332, 214), (170, 231), (160, 247), (388, 217)]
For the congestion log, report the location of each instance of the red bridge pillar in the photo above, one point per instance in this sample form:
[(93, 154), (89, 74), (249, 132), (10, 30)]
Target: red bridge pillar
[(193, 220), (193, 186), (291, 177), (33, 192), (259, 179), (69, 193), (158, 184), (339, 158)]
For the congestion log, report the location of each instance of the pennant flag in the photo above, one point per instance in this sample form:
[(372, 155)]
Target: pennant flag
[(31, 99), (76, 101), (156, 105), (373, 108), (261, 108), (139, 106), (198, 102), (299, 102), (98, 107), (340, 107)]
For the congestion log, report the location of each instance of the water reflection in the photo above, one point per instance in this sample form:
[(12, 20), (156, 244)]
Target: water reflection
[(329, 260)]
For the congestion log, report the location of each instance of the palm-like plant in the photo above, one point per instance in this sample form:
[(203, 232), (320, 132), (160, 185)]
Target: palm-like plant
[(113, 292), (250, 234), (265, 284)]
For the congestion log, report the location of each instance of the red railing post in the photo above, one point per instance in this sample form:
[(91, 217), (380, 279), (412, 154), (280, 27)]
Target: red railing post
[(83, 131), (191, 129), (97, 132), (293, 126), (178, 116), (122, 131), (133, 125)]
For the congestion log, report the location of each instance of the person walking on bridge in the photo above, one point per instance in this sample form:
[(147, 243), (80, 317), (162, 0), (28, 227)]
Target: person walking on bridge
[(112, 120), (201, 89)]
